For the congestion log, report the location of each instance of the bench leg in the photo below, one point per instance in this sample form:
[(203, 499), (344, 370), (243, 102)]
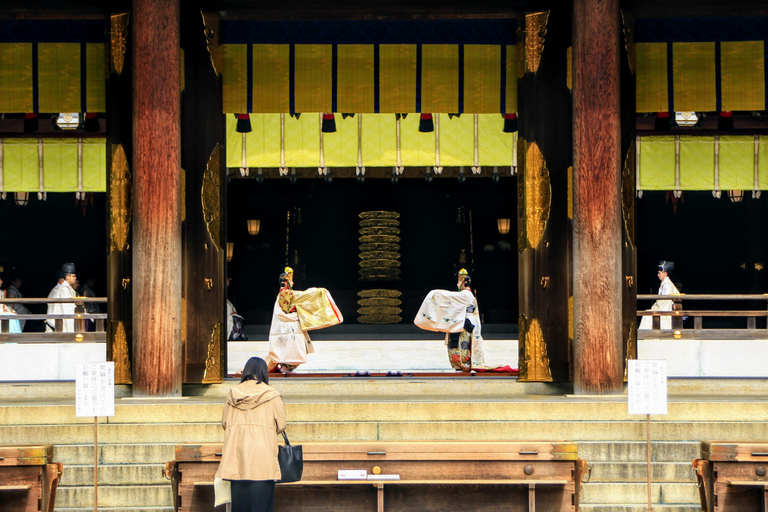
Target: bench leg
[(380, 497), (531, 497)]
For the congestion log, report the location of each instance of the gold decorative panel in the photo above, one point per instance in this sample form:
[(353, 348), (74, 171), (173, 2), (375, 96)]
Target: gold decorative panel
[(119, 340), (118, 40), (534, 197), (631, 347), (379, 306), (628, 193), (213, 370), (211, 30), (628, 29), (533, 363), (119, 200), (211, 196), (535, 33)]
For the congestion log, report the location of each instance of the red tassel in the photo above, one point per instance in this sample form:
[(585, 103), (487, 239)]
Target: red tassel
[(662, 122), (243, 123), (31, 123), (426, 124), (91, 123), (510, 123), (329, 123), (725, 120)]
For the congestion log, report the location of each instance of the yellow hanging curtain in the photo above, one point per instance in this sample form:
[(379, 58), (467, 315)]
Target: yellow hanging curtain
[(651, 94), (21, 165), (482, 75), (16, 77), (742, 65), (379, 141), (397, 78)]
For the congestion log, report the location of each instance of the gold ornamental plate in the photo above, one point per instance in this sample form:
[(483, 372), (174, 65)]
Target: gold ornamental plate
[(370, 223), (379, 230), (379, 215)]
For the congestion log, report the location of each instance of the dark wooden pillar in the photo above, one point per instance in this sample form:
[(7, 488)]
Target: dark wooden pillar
[(597, 232), (156, 201), (628, 153), (204, 226), (544, 159), (119, 151)]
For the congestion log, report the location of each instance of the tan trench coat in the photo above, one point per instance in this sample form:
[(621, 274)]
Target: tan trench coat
[(253, 416)]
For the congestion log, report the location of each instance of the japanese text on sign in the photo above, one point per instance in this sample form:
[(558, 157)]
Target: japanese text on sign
[(95, 389), (647, 389)]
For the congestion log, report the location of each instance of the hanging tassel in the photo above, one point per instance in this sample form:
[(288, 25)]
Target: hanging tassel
[(725, 121), (91, 123), (243, 123), (329, 123), (663, 122), (451, 116), (426, 124), (31, 123), (510, 123), (344, 116), (400, 116)]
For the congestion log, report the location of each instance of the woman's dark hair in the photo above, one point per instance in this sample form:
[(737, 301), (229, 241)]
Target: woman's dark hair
[(282, 279), (468, 281), (256, 369)]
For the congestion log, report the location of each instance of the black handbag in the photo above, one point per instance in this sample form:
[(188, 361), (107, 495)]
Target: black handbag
[(291, 461)]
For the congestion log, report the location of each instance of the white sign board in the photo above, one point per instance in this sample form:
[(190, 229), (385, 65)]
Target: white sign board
[(647, 389), (95, 389)]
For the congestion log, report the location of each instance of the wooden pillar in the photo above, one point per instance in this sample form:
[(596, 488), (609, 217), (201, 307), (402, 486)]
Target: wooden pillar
[(597, 234), (156, 201), (204, 205), (544, 158)]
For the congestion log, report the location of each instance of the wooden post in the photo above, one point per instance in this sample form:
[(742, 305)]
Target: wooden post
[(597, 235), (95, 464), (156, 278)]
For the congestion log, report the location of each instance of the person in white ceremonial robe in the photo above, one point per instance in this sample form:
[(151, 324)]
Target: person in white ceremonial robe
[(457, 315), (7, 309), (667, 288), (295, 313), (63, 290)]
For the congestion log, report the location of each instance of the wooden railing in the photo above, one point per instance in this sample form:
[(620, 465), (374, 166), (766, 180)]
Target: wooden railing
[(679, 312), (57, 321)]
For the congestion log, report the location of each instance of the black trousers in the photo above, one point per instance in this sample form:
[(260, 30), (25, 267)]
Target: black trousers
[(253, 496)]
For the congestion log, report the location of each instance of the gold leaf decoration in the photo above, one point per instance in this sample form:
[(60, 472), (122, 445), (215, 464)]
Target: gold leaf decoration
[(118, 40), (628, 194), (119, 200), (534, 198), (379, 259), (213, 370), (628, 29), (210, 196), (535, 34), (119, 341), (211, 31), (631, 347), (379, 293), (534, 362)]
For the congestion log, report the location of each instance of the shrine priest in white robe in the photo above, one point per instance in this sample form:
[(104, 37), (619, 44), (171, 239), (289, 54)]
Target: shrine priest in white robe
[(456, 314), (63, 290), (666, 288)]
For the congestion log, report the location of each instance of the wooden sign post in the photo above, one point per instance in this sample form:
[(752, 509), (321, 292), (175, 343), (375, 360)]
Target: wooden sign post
[(647, 394), (95, 396)]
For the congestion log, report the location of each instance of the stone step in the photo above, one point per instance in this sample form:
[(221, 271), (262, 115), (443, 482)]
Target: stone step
[(152, 453), (638, 508), (495, 386), (116, 496), (115, 509), (114, 474), (635, 451), (637, 493), (392, 430), (638, 471), (386, 407)]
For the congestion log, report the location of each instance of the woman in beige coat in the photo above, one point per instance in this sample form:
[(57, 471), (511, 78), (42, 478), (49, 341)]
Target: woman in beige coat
[(253, 416)]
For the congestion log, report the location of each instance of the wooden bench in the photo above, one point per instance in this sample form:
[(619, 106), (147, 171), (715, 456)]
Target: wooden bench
[(438, 475), (733, 476), (28, 479)]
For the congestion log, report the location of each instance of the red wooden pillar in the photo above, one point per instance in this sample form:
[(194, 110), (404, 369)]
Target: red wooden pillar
[(597, 234), (156, 279)]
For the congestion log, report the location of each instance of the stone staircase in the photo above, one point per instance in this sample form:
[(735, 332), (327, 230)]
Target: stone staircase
[(135, 444)]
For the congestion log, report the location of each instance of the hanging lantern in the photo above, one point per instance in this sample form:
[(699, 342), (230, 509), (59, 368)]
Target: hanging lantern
[(503, 225), (254, 225), (21, 198), (329, 123), (426, 124), (243, 123), (510, 123)]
